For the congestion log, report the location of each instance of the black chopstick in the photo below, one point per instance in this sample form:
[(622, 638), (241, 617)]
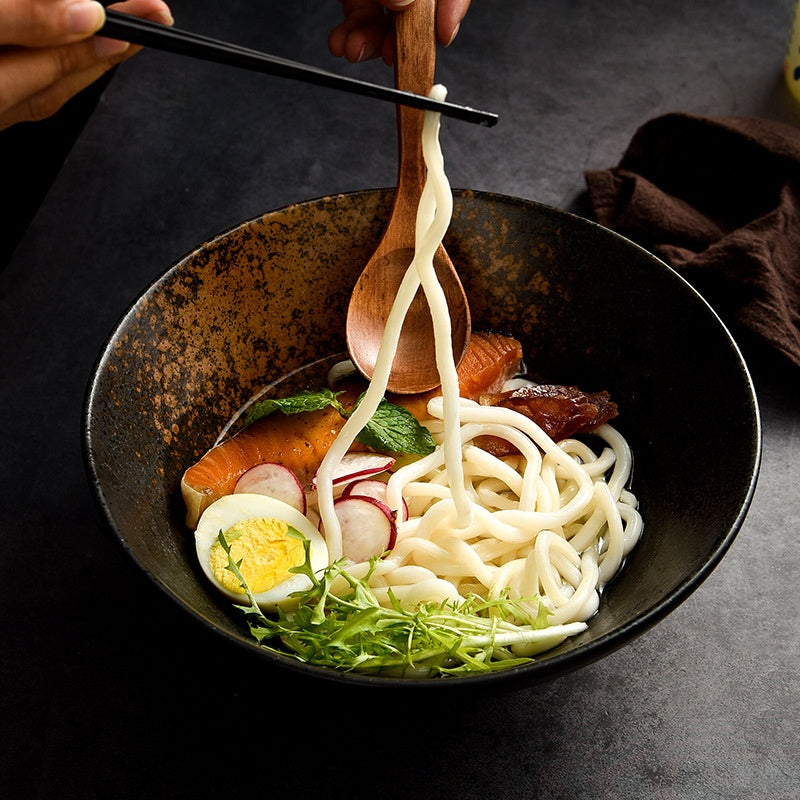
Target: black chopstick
[(174, 40)]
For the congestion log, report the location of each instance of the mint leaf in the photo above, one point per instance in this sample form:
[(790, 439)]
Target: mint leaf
[(391, 429), (304, 401), (397, 430)]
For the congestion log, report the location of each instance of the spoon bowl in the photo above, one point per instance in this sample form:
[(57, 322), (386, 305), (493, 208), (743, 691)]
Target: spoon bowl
[(414, 368)]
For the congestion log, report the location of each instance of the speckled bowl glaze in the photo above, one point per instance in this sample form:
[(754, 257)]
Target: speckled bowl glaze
[(590, 307)]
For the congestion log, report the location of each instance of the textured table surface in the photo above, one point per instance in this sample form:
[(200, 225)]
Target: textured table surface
[(108, 690)]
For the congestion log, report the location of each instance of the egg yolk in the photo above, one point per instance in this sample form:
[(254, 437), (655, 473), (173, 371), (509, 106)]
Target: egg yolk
[(265, 550)]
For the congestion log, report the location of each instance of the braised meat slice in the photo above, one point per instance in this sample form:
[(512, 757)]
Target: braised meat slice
[(561, 411)]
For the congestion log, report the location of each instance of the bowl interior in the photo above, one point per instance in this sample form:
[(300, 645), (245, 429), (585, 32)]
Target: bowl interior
[(590, 308)]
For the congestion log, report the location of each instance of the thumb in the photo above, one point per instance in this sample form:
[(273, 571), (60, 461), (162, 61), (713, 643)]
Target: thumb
[(45, 23)]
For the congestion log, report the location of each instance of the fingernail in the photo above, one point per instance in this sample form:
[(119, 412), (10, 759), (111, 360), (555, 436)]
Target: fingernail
[(105, 47), (83, 18), (165, 18), (455, 33), (402, 3), (366, 52)]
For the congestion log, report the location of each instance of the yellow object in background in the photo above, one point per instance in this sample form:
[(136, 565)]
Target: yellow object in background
[(791, 64)]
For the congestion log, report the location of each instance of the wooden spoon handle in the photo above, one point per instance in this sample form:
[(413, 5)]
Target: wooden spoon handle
[(415, 62)]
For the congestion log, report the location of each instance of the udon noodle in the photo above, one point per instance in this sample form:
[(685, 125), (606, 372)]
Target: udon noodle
[(554, 521)]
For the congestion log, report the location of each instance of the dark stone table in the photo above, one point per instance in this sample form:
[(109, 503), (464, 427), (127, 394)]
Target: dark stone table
[(107, 690)]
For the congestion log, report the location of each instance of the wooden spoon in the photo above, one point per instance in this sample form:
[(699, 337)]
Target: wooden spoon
[(414, 368)]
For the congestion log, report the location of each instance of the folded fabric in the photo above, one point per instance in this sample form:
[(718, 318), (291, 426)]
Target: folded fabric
[(718, 198)]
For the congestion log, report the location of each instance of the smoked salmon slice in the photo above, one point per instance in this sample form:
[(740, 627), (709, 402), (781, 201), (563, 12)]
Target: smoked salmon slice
[(298, 441), (490, 360)]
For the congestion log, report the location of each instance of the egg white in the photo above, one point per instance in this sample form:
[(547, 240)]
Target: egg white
[(224, 513)]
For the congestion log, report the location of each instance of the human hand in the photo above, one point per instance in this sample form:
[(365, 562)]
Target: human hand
[(365, 32), (48, 52)]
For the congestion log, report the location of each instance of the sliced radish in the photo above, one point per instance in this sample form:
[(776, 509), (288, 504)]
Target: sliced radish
[(366, 487), (273, 480), (372, 487), (368, 527), (359, 465)]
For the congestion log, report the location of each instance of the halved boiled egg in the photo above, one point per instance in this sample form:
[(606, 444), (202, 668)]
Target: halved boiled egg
[(256, 528)]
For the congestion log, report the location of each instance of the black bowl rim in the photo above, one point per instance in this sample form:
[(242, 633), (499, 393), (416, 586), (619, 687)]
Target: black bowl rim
[(543, 671)]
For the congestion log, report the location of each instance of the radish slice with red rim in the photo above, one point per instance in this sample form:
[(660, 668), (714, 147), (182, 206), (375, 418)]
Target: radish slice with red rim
[(273, 480), (373, 487), (359, 465), (367, 527)]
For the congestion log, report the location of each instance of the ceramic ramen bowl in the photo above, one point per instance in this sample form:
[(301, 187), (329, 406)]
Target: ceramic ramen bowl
[(590, 307)]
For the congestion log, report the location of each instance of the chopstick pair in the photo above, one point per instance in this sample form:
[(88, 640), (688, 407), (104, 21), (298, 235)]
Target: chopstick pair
[(174, 40)]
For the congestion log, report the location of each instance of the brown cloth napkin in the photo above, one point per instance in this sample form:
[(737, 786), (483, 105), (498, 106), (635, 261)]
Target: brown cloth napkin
[(718, 198)]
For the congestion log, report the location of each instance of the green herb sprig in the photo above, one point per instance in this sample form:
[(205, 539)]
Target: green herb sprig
[(352, 632)]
